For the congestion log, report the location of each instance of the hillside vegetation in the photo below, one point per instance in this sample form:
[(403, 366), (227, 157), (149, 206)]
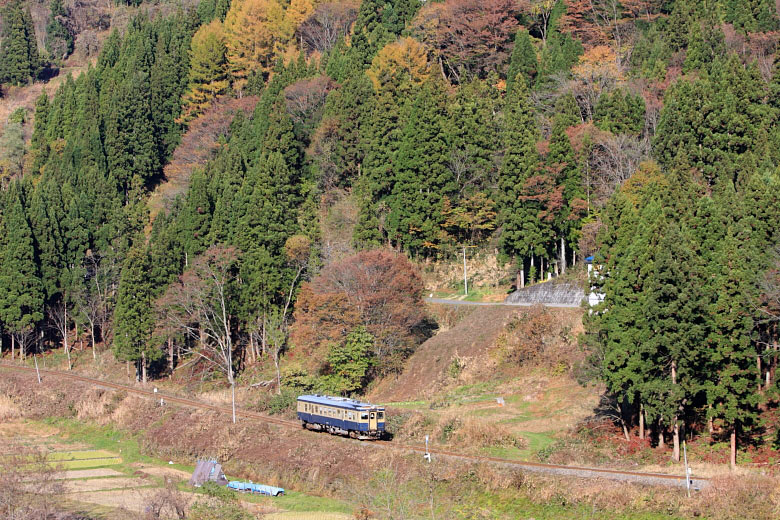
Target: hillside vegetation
[(374, 139)]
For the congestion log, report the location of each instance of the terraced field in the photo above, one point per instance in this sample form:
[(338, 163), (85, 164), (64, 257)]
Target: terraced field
[(111, 484)]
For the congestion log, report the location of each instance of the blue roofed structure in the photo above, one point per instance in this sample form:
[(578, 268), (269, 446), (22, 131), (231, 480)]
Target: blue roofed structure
[(251, 487)]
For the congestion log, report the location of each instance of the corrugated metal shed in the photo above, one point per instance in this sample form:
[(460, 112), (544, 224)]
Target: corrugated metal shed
[(208, 471)]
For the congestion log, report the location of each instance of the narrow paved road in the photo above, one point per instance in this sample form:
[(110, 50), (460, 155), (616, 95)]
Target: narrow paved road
[(447, 301)]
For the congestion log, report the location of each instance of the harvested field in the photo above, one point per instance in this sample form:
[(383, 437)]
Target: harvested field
[(167, 473), (102, 484), (90, 473), (130, 499)]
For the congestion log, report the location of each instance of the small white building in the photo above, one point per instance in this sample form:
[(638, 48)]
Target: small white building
[(594, 296)]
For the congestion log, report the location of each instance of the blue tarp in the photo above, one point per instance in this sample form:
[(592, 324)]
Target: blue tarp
[(589, 260), (250, 487)]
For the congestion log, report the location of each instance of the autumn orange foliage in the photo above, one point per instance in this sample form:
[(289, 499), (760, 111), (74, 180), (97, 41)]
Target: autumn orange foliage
[(380, 290)]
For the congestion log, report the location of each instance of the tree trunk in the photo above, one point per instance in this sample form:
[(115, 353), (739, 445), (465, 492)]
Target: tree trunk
[(170, 357), (733, 454), (92, 337), (263, 338), (278, 373), (774, 360), (530, 276), (563, 256), (676, 426), (641, 421), (623, 423), (521, 278), (13, 346), (661, 442), (758, 368), (65, 344), (143, 368), (233, 395)]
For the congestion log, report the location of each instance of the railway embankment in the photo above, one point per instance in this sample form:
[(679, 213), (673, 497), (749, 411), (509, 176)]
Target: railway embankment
[(343, 468)]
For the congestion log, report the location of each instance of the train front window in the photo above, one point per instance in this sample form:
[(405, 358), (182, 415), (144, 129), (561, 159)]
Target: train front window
[(380, 416), (364, 416)]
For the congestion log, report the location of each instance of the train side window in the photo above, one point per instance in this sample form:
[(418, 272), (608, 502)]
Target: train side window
[(380, 415), (364, 416)]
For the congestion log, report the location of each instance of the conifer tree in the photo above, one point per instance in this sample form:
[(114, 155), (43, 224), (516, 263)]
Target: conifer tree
[(21, 298), (731, 391), (519, 231), (567, 112), (39, 145), (134, 315), (338, 138), (620, 113), (380, 145), (47, 213), (473, 126), (195, 219), (208, 76), (59, 40), (523, 61), (422, 178), (19, 59), (567, 213), (713, 122), (253, 31)]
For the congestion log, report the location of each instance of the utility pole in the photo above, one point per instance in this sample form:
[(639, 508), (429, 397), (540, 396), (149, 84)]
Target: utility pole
[(687, 470)]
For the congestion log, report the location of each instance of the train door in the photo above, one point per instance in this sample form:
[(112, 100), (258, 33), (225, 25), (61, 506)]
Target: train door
[(372, 421)]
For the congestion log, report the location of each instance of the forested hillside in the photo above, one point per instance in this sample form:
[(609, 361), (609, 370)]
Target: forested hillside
[(644, 132)]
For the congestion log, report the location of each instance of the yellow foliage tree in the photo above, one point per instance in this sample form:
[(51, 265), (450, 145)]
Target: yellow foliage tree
[(405, 60), (299, 10), (208, 70), (596, 72), (255, 31)]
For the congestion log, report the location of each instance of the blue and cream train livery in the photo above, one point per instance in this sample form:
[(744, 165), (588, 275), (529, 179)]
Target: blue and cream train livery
[(342, 416)]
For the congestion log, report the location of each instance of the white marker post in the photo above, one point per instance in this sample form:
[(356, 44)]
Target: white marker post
[(427, 455), (36, 370)]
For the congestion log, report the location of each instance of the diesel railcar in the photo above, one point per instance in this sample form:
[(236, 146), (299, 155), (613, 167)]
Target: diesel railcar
[(341, 416)]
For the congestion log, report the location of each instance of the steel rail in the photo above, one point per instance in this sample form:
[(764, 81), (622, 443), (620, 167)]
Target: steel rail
[(539, 467)]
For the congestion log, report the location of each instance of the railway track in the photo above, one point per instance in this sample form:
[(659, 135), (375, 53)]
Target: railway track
[(662, 479)]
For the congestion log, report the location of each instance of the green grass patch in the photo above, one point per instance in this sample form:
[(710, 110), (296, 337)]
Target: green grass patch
[(536, 442), (290, 501), (407, 404), (512, 505), (80, 455), (106, 438), (87, 464), (295, 501)]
